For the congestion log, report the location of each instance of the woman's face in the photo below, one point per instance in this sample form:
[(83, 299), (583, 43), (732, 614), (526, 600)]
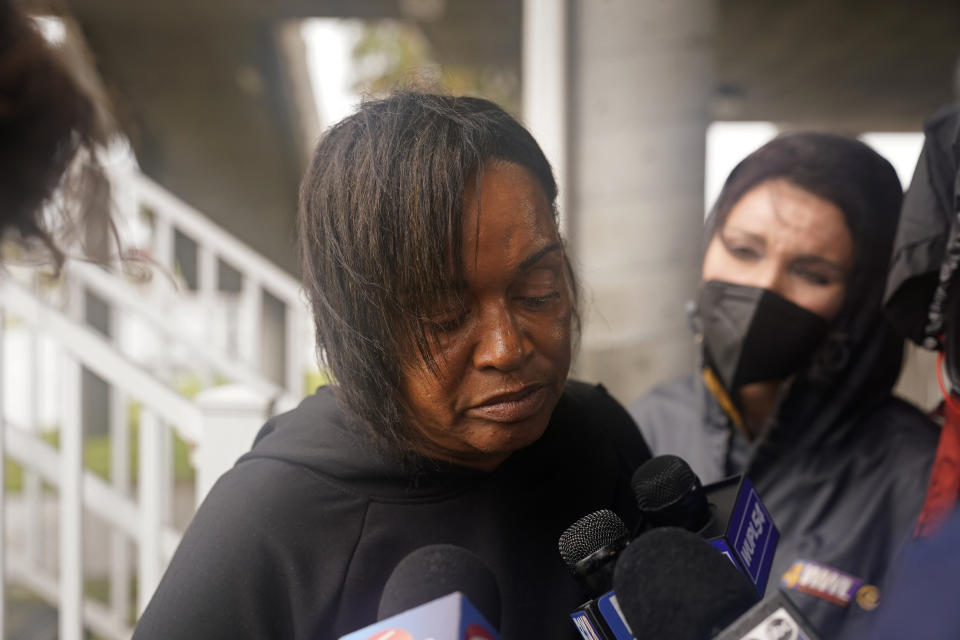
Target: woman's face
[(503, 343), (785, 239)]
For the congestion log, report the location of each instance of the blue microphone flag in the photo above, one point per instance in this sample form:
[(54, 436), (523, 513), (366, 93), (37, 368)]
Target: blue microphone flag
[(748, 536), (451, 617)]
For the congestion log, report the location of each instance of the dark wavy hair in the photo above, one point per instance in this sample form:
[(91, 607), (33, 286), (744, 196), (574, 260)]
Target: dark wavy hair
[(46, 121), (380, 221)]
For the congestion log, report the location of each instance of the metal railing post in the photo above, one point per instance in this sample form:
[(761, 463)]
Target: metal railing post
[(120, 551), (3, 472), (71, 487), (149, 563), (293, 329), (32, 486), (120, 561), (163, 234), (251, 323)]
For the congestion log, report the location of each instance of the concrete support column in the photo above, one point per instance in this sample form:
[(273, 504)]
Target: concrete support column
[(545, 85), (641, 83)]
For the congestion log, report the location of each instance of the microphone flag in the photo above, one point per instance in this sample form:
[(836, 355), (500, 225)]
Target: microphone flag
[(747, 535), (450, 617)]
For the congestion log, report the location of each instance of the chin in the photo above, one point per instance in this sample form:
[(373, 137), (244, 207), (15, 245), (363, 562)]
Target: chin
[(514, 437)]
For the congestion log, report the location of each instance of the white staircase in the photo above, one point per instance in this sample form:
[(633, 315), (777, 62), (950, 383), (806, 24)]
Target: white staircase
[(164, 335)]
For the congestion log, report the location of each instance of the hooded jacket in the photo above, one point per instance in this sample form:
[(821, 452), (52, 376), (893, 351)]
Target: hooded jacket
[(842, 465), (299, 538), (847, 497), (928, 226), (920, 300), (843, 471)]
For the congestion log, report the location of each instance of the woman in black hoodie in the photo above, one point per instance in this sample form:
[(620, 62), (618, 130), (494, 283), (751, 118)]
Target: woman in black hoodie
[(446, 310), (798, 364)]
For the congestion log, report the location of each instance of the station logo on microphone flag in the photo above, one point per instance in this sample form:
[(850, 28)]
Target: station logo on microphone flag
[(823, 582), (748, 535)]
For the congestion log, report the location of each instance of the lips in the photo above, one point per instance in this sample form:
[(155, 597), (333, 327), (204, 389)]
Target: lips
[(512, 406)]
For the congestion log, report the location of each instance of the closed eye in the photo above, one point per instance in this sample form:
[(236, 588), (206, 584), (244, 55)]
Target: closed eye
[(817, 271), (742, 246), (538, 302), (743, 252), (814, 278), (449, 324)]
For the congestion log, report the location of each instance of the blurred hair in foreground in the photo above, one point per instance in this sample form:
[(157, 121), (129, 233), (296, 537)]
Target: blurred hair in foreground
[(54, 197)]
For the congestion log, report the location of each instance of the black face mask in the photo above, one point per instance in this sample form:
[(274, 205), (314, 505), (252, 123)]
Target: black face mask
[(754, 335)]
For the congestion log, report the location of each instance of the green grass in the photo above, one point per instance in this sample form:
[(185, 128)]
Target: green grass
[(12, 476), (313, 379)]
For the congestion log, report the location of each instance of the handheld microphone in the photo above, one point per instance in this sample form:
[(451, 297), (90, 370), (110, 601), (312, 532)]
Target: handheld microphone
[(669, 494), (774, 618), (673, 585), (590, 547), (442, 592), (727, 513)]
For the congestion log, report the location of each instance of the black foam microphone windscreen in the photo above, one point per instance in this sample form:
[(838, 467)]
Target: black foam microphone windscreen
[(672, 584), (669, 494), (437, 570)]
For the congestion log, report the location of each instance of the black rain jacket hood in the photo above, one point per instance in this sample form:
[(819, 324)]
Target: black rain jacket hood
[(928, 220)]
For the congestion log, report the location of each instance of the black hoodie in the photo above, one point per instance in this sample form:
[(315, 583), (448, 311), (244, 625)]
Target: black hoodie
[(298, 539)]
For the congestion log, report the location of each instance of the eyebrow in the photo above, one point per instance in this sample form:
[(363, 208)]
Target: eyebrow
[(535, 257), (528, 262), (810, 260), (804, 259), (748, 235)]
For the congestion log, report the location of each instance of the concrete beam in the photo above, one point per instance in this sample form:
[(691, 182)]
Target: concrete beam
[(224, 11), (849, 66)]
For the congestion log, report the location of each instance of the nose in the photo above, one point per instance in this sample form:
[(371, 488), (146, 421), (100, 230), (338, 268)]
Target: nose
[(502, 343), (768, 275)]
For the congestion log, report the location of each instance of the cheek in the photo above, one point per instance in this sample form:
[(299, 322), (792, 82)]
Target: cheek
[(557, 345), (418, 391), (829, 302), (823, 301), (554, 340), (427, 391)]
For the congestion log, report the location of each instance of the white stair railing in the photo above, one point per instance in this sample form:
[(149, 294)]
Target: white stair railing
[(124, 300), (162, 408), (146, 520), (258, 276), (136, 507)]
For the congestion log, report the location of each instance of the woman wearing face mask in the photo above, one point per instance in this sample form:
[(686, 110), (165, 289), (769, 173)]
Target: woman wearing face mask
[(445, 307), (798, 363)]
